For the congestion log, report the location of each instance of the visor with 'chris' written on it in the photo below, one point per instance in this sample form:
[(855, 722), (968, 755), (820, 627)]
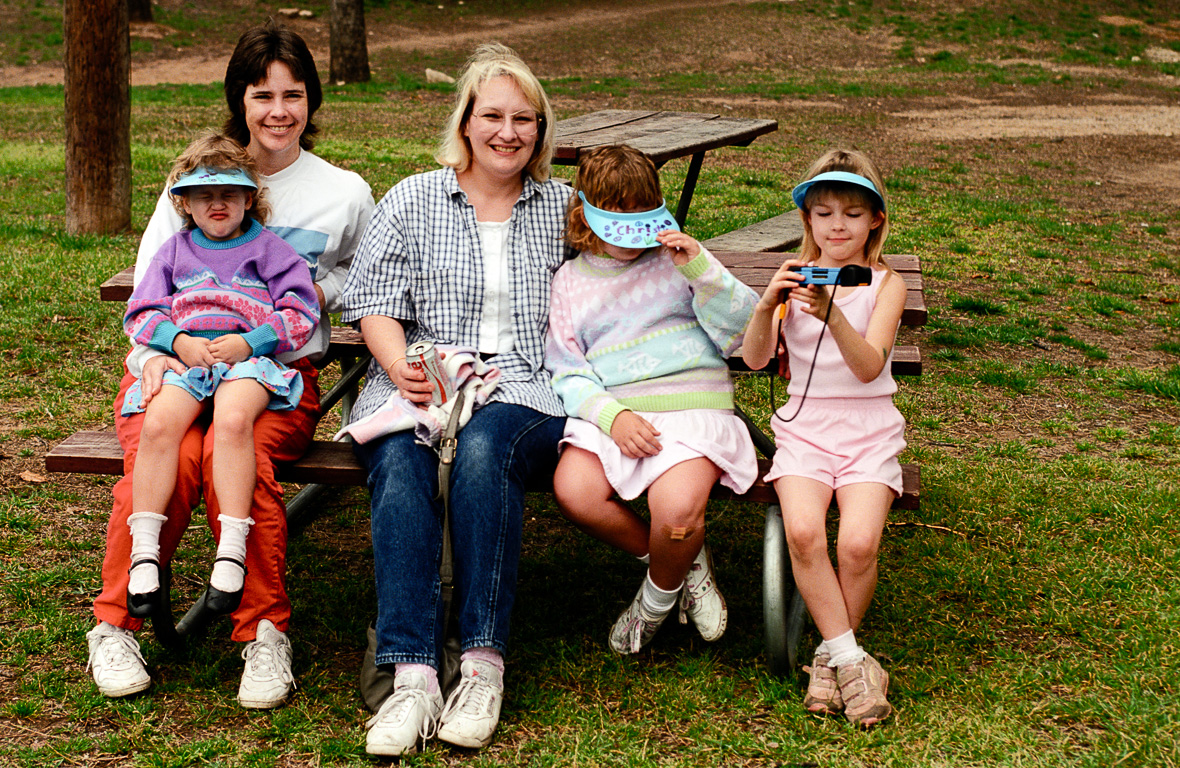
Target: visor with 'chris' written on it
[(628, 230)]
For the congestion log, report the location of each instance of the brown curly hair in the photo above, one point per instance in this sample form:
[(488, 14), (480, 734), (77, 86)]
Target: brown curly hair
[(614, 178)]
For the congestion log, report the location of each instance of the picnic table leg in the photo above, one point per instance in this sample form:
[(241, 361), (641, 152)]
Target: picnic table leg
[(162, 617), (302, 509), (783, 609), (690, 185)]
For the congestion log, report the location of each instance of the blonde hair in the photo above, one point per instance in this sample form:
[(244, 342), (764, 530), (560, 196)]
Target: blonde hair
[(614, 178), (221, 153), (492, 60), (849, 161)]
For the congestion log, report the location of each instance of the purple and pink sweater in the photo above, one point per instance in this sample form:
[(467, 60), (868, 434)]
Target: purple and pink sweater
[(254, 285), (645, 335)]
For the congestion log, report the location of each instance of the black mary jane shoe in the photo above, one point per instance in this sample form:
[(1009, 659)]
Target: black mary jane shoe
[(145, 605), (218, 603)]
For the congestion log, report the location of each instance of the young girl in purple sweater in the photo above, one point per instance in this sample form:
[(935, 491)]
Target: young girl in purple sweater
[(639, 328), (221, 297)]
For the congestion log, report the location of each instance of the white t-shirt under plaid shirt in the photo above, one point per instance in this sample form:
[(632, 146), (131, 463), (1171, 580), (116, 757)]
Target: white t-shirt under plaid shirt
[(421, 261)]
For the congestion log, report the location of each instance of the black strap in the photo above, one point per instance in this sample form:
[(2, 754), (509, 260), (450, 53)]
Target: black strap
[(447, 446)]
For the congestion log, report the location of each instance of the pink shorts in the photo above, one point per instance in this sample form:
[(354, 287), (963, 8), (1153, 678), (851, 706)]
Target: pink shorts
[(840, 441)]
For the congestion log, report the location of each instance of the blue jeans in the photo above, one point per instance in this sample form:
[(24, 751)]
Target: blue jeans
[(502, 450)]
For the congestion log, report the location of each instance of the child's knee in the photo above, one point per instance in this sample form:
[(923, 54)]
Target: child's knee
[(234, 424), (680, 523), (857, 553), (159, 430), (806, 539)]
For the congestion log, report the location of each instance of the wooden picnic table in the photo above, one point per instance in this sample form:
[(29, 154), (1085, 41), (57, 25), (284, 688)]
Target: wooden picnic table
[(661, 135)]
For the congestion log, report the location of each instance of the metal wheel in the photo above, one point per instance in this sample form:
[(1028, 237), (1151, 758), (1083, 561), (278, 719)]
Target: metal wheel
[(783, 609)]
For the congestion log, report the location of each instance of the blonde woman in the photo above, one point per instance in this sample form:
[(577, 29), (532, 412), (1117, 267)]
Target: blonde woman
[(460, 256)]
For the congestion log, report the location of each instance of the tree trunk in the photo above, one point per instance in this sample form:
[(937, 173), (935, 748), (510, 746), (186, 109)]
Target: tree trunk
[(139, 10), (98, 116), (348, 43)]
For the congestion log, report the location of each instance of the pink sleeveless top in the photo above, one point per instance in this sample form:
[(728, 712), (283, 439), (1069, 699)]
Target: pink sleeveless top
[(833, 377)]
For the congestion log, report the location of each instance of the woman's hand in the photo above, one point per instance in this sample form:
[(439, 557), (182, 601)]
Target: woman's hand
[(635, 435), (411, 382), (152, 377), (230, 348), (193, 351), (679, 246)]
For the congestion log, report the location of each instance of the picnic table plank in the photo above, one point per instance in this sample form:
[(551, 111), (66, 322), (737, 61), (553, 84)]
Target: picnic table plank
[(662, 136), (619, 126), (594, 121), (332, 463), (753, 263), (777, 234)]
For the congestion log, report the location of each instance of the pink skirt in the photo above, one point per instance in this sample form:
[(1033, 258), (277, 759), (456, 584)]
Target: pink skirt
[(840, 441), (719, 436)]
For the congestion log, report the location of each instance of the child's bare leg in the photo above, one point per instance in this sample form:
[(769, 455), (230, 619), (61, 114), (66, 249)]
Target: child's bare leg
[(863, 509), (677, 501), (166, 420), (236, 406), (587, 500), (805, 509)]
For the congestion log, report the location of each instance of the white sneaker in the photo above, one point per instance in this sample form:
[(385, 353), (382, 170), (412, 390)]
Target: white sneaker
[(634, 628), (701, 601), (115, 661), (407, 715), (267, 678), (473, 708)]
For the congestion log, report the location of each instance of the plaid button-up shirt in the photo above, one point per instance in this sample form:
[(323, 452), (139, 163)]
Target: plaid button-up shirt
[(420, 261)]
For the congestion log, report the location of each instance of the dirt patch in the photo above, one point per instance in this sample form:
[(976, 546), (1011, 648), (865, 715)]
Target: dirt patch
[(208, 66), (996, 121)]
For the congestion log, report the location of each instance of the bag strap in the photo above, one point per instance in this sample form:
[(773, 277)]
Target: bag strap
[(447, 446)]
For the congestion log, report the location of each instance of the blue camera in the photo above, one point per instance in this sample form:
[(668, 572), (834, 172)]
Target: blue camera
[(849, 274)]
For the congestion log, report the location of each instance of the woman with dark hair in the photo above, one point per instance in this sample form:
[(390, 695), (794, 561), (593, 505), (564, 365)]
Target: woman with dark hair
[(462, 256), (272, 91)]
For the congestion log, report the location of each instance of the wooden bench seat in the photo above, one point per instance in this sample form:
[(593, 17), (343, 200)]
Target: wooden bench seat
[(331, 463), (777, 234)]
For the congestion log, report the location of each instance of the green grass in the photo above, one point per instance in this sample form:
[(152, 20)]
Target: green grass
[(1026, 611)]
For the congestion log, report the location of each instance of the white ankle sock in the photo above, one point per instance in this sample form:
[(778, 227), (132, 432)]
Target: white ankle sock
[(145, 545), (654, 601), (844, 649), (229, 577)]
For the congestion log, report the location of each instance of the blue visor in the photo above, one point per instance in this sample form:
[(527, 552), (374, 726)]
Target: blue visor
[(628, 230), (800, 192), (207, 177)]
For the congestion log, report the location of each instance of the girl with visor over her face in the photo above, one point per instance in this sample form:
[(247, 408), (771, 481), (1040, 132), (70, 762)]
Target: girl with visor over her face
[(639, 328)]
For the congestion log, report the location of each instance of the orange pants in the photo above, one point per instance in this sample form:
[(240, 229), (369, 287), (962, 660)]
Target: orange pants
[(278, 436)]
